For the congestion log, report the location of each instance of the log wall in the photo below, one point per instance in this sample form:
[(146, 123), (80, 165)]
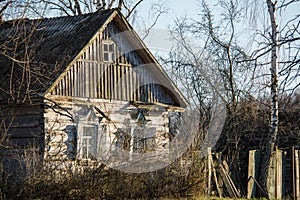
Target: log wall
[(21, 139), (64, 115), (22, 124)]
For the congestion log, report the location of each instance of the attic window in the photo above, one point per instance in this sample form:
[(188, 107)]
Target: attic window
[(108, 51)]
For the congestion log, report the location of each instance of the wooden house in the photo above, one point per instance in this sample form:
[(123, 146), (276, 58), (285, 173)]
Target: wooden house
[(79, 87)]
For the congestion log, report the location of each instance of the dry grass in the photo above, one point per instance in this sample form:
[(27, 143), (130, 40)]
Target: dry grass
[(103, 183)]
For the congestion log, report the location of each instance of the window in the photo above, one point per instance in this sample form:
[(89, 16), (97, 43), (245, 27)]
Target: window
[(123, 138), (139, 139), (136, 139), (108, 51), (88, 141)]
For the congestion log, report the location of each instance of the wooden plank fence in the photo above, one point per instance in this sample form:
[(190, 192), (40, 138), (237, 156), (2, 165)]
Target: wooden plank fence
[(296, 173), (284, 176), (276, 182), (253, 172)]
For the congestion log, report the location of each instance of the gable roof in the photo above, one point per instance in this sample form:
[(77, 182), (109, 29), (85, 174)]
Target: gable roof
[(51, 44), (46, 47)]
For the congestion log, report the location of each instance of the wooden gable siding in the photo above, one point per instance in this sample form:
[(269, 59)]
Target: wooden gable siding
[(126, 78)]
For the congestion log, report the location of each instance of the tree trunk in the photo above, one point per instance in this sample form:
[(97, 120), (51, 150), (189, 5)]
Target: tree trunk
[(272, 135)]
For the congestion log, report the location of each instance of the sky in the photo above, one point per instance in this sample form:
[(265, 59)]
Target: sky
[(176, 8), (158, 40), (159, 35)]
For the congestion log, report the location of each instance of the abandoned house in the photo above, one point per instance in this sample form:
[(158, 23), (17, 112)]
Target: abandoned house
[(81, 88)]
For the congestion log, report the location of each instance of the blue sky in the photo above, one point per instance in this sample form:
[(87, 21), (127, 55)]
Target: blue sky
[(176, 8), (158, 41), (191, 8)]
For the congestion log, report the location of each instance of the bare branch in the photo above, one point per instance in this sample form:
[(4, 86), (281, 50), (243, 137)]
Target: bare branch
[(132, 9), (159, 11), (77, 7)]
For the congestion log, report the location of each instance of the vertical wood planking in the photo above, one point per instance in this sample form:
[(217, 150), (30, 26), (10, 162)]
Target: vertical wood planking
[(279, 169), (111, 81), (88, 79), (71, 82), (80, 79), (253, 169), (68, 86), (94, 83), (126, 95), (138, 96), (92, 80), (91, 77), (275, 177), (77, 80), (115, 85), (65, 83), (106, 82), (134, 84), (209, 170), (130, 83), (102, 81), (297, 175), (98, 86), (87, 74), (60, 88)]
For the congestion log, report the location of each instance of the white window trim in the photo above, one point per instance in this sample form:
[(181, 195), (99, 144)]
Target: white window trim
[(111, 54), (81, 127)]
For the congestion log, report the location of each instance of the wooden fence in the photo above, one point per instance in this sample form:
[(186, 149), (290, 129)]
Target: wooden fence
[(284, 174), (295, 173)]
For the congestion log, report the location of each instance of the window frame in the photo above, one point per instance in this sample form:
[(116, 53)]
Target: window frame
[(91, 148), (108, 48)]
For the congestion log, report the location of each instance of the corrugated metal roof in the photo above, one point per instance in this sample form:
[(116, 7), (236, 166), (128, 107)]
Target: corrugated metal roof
[(44, 47)]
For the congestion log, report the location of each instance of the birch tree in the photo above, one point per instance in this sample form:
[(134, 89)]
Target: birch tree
[(278, 51), (223, 50), (272, 135)]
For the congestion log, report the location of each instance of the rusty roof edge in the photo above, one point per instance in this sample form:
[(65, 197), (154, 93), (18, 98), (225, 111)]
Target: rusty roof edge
[(69, 66)]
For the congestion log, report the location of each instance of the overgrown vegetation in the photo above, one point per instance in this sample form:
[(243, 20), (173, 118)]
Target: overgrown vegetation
[(187, 177), (175, 181)]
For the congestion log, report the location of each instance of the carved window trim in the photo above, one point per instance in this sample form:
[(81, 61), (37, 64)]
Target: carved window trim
[(88, 141)]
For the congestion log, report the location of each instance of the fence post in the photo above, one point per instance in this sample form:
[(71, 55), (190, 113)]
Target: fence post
[(253, 167), (209, 159), (297, 174)]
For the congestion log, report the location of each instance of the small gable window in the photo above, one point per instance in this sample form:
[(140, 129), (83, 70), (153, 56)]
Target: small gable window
[(108, 51)]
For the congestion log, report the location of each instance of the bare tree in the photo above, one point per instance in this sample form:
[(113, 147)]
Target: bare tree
[(276, 39), (204, 49), (41, 8)]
